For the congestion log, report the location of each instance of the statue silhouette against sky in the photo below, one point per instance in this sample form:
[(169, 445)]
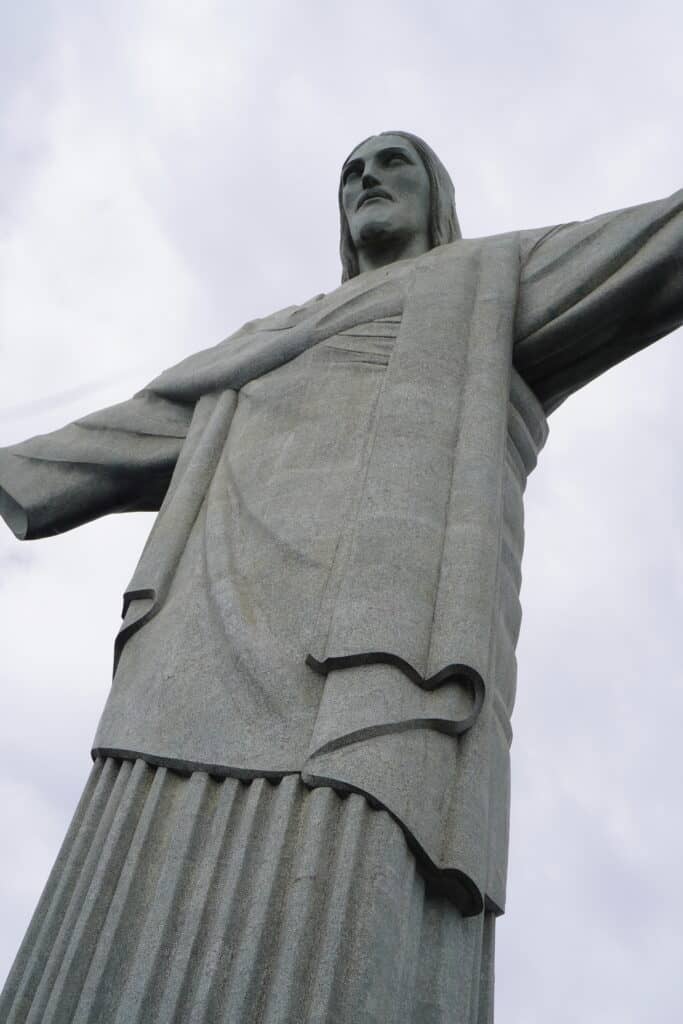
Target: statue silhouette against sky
[(298, 809)]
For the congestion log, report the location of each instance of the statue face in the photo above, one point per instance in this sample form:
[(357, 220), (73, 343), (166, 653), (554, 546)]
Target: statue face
[(386, 194)]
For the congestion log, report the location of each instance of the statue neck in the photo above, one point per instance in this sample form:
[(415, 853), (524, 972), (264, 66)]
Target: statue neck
[(380, 254)]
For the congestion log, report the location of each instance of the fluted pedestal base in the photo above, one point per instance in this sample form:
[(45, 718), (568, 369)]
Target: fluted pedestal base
[(188, 900)]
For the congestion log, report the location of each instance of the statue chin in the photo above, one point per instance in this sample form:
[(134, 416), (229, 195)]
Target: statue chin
[(378, 227), (382, 242)]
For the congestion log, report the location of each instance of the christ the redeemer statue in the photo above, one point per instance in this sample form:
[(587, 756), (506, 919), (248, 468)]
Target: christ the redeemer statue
[(298, 810)]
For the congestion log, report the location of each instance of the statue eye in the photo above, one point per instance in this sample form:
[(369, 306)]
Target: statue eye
[(396, 159), (350, 173)]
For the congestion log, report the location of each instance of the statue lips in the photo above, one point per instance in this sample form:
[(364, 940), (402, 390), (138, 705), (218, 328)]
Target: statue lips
[(373, 193)]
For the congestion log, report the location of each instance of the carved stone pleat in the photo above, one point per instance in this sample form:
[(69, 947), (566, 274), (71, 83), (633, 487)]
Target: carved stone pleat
[(189, 900)]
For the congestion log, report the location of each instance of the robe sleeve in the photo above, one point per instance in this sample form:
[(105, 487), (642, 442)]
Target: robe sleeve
[(594, 292), (118, 460)]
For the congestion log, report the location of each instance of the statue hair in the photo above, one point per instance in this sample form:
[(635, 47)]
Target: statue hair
[(443, 219)]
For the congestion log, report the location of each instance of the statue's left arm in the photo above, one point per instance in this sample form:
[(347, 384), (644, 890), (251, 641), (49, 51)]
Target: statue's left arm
[(594, 292)]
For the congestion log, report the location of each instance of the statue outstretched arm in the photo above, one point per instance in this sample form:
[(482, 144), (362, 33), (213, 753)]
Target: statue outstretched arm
[(118, 460), (595, 292)]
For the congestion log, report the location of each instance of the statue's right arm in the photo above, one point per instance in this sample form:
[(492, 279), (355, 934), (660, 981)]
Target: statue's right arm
[(118, 460)]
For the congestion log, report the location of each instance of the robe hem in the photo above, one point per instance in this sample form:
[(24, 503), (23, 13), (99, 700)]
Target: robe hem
[(452, 673), (184, 767), (451, 882)]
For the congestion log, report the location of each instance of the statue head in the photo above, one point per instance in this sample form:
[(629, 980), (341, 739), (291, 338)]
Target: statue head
[(396, 199)]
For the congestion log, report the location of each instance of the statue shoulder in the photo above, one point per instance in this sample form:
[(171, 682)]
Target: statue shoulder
[(515, 241), (280, 319)]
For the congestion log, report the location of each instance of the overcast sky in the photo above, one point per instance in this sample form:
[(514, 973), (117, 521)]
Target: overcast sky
[(170, 171)]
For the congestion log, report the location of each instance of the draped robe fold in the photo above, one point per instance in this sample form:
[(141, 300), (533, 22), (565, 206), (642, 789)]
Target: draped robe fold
[(398, 678)]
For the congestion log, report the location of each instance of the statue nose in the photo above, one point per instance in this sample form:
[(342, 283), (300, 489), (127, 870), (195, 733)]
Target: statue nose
[(369, 180)]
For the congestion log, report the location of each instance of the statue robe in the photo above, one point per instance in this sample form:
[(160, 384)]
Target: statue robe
[(331, 585)]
